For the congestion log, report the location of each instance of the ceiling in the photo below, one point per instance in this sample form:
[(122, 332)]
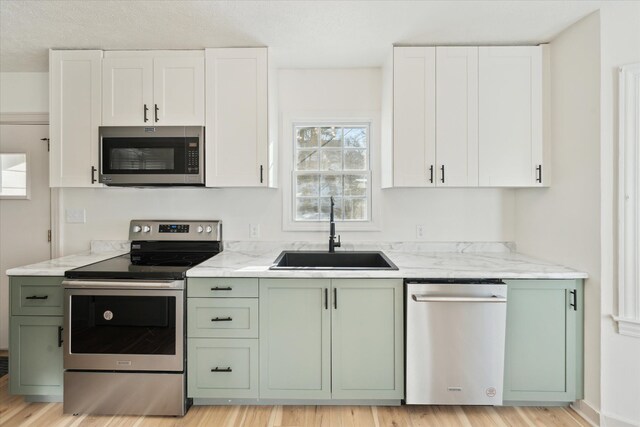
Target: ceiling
[(300, 34)]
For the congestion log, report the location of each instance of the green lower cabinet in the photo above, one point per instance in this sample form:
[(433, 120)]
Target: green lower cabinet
[(543, 354), (35, 365), (222, 368)]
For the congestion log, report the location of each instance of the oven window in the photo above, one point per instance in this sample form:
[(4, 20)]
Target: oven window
[(123, 324)]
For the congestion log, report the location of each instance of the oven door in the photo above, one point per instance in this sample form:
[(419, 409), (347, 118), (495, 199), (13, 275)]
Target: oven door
[(124, 330)]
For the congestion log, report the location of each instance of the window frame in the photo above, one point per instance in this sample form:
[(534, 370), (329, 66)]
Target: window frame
[(287, 156), (628, 317), (27, 161)]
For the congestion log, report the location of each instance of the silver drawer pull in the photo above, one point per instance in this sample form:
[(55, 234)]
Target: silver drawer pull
[(216, 369), (429, 298), (221, 319)]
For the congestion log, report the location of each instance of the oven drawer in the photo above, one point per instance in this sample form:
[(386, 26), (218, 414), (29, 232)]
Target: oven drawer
[(222, 287), (222, 318), (222, 368), (36, 296)]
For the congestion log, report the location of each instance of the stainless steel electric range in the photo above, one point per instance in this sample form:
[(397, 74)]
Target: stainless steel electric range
[(124, 322)]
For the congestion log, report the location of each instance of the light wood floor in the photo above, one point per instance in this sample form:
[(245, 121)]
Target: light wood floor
[(14, 411)]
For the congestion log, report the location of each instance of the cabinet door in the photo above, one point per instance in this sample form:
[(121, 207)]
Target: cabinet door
[(414, 116), (178, 91), (544, 328), (367, 339), (457, 117), (127, 88), (35, 367), (295, 339), (236, 117), (510, 99), (74, 109)]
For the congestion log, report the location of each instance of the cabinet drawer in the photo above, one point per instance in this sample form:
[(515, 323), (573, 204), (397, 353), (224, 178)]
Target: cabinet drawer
[(222, 287), (222, 317), (36, 296), (222, 368)]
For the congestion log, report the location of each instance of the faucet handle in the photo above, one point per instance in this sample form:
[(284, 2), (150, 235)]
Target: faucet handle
[(337, 244)]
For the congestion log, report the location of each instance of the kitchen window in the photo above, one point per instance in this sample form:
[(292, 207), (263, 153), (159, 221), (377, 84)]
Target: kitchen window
[(629, 202), (331, 159)]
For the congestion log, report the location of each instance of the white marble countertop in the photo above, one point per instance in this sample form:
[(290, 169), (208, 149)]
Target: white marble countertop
[(414, 260)]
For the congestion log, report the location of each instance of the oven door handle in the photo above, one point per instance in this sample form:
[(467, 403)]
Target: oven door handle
[(122, 284)]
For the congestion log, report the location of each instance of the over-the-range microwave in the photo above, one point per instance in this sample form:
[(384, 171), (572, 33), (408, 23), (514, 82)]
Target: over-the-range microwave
[(147, 156)]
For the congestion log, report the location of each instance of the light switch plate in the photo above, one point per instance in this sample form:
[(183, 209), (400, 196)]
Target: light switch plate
[(76, 216)]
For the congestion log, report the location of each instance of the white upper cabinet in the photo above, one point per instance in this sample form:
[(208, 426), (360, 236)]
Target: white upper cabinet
[(74, 110), (153, 88), (236, 117), (511, 128), (414, 116), (457, 116)]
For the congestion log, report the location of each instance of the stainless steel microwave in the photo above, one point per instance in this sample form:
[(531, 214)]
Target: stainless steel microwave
[(145, 156)]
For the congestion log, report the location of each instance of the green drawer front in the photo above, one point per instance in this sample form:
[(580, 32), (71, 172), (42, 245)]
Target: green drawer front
[(222, 317), (222, 287), (36, 296), (222, 368)]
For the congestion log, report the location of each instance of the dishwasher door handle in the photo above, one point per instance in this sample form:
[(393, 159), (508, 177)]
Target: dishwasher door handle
[(431, 298)]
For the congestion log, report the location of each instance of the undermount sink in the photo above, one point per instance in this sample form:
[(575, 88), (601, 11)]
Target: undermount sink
[(348, 260)]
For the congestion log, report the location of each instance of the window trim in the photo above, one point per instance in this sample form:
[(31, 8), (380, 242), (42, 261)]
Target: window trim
[(628, 318), (346, 118), (27, 160)]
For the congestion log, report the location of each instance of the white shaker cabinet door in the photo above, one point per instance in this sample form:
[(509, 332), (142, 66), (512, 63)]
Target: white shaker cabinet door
[(510, 100), (236, 117), (414, 116), (178, 91), (127, 88), (74, 114), (457, 116)]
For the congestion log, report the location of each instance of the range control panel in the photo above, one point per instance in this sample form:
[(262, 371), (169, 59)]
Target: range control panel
[(175, 230)]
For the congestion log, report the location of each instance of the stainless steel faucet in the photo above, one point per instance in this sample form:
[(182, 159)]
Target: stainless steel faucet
[(332, 231)]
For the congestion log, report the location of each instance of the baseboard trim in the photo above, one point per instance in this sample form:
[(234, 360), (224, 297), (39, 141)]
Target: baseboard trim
[(586, 411), (611, 421)]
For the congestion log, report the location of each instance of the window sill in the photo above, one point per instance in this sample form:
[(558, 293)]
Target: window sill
[(628, 327)]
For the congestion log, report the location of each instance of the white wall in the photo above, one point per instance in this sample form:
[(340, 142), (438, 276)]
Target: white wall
[(620, 44), (24, 92), (562, 223), (448, 214)]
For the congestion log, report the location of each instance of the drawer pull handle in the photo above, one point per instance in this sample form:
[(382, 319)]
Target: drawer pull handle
[(221, 319), (37, 297), (216, 369), (218, 288)]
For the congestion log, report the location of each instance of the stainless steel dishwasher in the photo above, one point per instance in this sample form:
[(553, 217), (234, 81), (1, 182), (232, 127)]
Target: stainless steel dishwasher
[(455, 341)]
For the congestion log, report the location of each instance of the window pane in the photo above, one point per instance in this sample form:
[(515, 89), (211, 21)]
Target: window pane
[(307, 160), (331, 160), (331, 137), (355, 160), (355, 185), (331, 185), (325, 208), (13, 180), (355, 137), (307, 209), (307, 185), (307, 137), (355, 209)]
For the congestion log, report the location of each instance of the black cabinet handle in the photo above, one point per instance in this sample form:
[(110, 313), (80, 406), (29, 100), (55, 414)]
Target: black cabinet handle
[(60, 329), (442, 174), (221, 319), (574, 300), (326, 298), (431, 174), (216, 369), (261, 172), (93, 174), (157, 109), (37, 297), (146, 109), (218, 288), (335, 298), (539, 174)]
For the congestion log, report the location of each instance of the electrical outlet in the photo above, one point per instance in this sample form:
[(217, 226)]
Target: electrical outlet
[(254, 231), (76, 216), (420, 231)]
